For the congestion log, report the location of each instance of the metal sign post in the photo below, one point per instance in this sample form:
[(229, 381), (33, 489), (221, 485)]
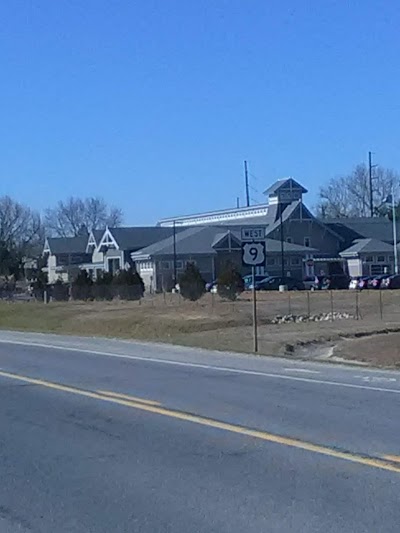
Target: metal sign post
[(253, 254), (255, 332)]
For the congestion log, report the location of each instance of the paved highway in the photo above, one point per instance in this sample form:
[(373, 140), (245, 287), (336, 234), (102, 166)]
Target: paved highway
[(113, 436)]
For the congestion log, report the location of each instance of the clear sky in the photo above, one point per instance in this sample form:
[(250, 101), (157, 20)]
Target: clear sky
[(154, 104)]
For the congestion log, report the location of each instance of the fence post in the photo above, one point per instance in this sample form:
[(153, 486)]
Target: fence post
[(357, 305), (289, 303), (164, 298), (308, 304), (331, 295), (380, 304)]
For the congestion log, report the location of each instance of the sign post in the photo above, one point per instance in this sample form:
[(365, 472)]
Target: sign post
[(253, 254)]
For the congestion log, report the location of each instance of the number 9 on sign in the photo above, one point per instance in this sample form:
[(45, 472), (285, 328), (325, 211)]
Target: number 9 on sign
[(253, 253)]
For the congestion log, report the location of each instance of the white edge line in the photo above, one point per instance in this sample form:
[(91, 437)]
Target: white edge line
[(304, 370), (203, 366)]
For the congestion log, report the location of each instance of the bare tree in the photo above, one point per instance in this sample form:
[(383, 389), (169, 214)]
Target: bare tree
[(73, 215), (21, 235), (349, 195)]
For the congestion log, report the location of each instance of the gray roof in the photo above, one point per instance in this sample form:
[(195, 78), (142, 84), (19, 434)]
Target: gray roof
[(138, 237), (190, 241), (97, 234), (67, 245), (365, 246), (378, 228), (203, 241), (286, 183)]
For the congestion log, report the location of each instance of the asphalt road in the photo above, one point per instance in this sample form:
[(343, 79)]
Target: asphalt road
[(113, 436)]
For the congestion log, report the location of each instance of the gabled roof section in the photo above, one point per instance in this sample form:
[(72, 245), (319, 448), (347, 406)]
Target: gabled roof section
[(94, 238), (66, 245), (138, 237), (189, 241), (367, 246), (285, 183), (378, 228)]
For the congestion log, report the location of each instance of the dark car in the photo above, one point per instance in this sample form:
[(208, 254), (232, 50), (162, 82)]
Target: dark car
[(391, 282), (272, 283), (337, 281), (375, 282), (248, 280)]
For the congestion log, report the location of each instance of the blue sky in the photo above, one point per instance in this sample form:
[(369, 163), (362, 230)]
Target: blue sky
[(154, 104)]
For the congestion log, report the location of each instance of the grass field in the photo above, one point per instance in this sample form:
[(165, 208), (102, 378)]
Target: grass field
[(211, 322)]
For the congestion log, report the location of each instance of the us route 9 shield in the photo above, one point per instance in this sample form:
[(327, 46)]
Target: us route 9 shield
[(253, 253)]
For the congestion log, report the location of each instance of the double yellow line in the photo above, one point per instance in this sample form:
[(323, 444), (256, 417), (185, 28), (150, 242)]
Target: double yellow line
[(386, 462)]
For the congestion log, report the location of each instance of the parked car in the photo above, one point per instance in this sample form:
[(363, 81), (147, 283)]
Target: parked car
[(363, 282), (248, 280), (375, 282), (313, 283), (272, 283), (391, 282), (210, 286), (354, 282)]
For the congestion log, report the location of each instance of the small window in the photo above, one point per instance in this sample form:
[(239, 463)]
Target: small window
[(295, 261), (381, 258), (369, 259), (179, 265), (307, 242), (270, 261), (289, 240), (166, 265), (191, 262)]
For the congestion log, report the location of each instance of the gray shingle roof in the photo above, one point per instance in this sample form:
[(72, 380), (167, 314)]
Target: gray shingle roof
[(367, 246), (97, 234), (196, 240), (287, 183), (201, 240), (67, 245), (138, 237), (350, 229)]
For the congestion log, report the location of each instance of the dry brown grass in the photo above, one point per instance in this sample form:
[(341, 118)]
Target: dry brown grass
[(211, 322)]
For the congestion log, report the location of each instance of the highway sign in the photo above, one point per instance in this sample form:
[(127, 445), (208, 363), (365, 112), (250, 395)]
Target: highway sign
[(253, 234), (253, 253)]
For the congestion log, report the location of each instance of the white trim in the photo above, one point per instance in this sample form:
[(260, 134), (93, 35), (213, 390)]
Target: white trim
[(46, 248), (216, 216), (107, 233)]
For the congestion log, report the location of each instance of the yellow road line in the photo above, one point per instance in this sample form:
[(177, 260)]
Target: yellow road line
[(127, 397), (394, 458), (232, 428)]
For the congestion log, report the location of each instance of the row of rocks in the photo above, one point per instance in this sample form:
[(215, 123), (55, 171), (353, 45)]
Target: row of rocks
[(320, 317)]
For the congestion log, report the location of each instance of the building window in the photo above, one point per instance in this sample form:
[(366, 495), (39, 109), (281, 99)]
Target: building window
[(270, 261), (295, 261), (179, 265), (369, 259), (289, 240), (191, 262), (166, 265), (381, 258), (114, 264), (377, 270), (307, 242)]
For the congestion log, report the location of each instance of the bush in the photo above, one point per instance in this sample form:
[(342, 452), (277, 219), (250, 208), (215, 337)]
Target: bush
[(191, 284), (102, 288), (128, 285), (82, 286), (230, 282), (60, 291)]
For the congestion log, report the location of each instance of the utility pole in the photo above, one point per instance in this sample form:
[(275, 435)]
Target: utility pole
[(282, 244), (246, 179), (371, 191), (174, 237)]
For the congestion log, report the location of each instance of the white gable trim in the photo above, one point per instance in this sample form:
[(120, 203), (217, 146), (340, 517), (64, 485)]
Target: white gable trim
[(106, 240), (46, 248)]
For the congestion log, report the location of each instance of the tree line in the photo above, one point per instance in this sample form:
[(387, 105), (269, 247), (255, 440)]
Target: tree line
[(348, 195), (23, 229)]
